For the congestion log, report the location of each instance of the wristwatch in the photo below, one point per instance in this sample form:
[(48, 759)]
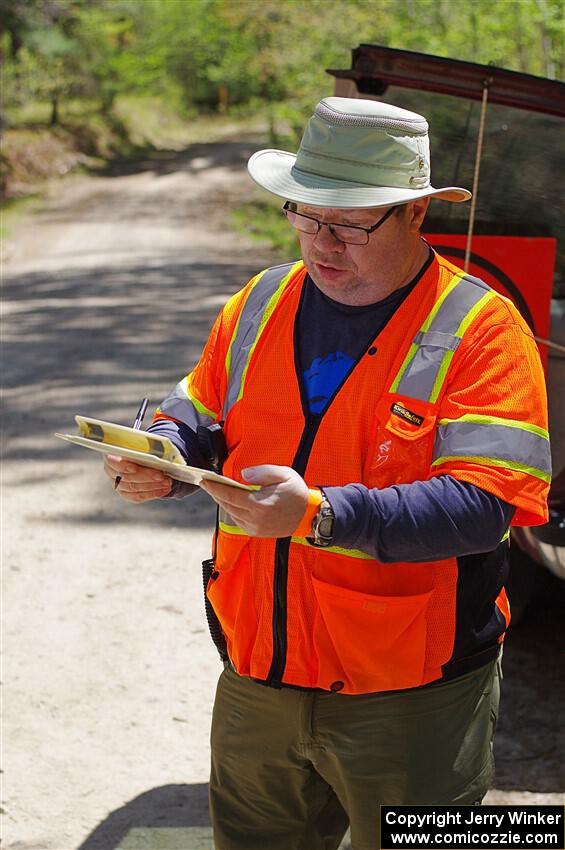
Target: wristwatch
[(323, 525)]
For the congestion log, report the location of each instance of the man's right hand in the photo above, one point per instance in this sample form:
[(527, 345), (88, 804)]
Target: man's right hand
[(138, 483)]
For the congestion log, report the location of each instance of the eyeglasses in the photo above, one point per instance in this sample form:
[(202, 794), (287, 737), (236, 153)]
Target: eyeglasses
[(350, 234)]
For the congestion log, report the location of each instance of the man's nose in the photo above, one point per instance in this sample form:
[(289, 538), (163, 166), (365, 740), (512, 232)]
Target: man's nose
[(326, 241)]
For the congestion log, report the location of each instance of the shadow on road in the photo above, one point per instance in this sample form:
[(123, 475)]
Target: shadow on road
[(172, 816), (97, 341), (195, 157)]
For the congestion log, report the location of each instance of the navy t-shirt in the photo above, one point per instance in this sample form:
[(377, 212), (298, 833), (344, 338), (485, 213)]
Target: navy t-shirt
[(334, 336)]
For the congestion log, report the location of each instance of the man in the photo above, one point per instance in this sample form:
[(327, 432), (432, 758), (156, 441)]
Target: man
[(392, 410)]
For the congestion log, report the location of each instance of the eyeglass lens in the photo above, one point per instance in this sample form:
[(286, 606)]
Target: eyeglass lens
[(306, 224)]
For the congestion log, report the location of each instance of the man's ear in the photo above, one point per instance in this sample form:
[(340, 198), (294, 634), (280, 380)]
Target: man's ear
[(417, 213)]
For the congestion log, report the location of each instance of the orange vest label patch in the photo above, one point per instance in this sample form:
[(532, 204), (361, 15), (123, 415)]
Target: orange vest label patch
[(404, 413)]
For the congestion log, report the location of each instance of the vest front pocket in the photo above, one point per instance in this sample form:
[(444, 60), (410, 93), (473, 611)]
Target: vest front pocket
[(368, 643)]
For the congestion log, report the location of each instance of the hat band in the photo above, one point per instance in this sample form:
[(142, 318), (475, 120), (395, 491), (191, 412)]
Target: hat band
[(365, 174)]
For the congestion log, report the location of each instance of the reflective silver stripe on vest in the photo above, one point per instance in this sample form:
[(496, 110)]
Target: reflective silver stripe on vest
[(521, 445), (423, 364), (182, 406), (228, 524), (248, 328), (439, 339)]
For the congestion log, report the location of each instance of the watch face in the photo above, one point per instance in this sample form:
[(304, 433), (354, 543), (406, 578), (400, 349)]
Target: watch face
[(323, 525), (326, 526)]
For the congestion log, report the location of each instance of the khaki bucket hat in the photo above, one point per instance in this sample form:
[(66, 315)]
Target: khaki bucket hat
[(354, 153)]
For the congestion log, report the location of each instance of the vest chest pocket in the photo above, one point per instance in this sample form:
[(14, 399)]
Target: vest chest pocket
[(400, 448)]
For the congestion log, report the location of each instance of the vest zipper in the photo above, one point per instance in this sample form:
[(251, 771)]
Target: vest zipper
[(282, 546)]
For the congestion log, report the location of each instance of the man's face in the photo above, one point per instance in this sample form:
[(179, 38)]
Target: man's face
[(364, 274)]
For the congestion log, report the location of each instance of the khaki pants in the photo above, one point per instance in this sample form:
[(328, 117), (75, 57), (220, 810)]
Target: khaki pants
[(291, 769)]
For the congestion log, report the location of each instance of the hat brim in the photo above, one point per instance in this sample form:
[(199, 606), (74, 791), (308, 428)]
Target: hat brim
[(275, 171)]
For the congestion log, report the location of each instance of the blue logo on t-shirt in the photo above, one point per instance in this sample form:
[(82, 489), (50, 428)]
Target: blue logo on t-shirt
[(323, 378)]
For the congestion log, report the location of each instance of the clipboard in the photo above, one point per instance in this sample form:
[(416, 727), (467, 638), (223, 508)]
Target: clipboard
[(144, 448)]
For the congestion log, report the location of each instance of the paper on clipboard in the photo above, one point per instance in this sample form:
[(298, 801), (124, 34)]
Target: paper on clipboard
[(145, 448)]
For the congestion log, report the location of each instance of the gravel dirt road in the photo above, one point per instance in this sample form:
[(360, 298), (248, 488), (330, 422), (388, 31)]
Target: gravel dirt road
[(109, 673)]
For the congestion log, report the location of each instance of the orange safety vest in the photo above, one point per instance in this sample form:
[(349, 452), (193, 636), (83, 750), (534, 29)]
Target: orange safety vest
[(418, 403)]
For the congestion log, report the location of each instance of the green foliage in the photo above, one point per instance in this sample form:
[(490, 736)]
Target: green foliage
[(220, 55), (262, 220)]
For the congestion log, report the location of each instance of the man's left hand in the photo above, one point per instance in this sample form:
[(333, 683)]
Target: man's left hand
[(273, 511)]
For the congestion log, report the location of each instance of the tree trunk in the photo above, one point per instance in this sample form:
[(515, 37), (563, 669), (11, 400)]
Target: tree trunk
[(223, 99), (54, 110)]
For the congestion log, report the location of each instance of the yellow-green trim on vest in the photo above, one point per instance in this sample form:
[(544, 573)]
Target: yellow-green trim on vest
[(498, 439), (201, 408), (427, 322), (302, 541), (181, 404), (271, 304), (255, 313), (481, 419), (232, 529), (490, 461), (334, 550), (425, 367), (459, 333), (230, 346)]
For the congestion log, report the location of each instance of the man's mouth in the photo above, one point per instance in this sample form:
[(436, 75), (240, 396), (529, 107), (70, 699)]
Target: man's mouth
[(328, 269)]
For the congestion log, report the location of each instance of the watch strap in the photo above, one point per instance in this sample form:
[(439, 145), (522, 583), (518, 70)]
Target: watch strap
[(304, 528)]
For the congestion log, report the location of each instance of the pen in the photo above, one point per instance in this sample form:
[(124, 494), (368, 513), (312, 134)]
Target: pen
[(137, 423)]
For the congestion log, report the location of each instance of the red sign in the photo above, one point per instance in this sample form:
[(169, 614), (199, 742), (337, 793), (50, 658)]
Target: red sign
[(519, 267)]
